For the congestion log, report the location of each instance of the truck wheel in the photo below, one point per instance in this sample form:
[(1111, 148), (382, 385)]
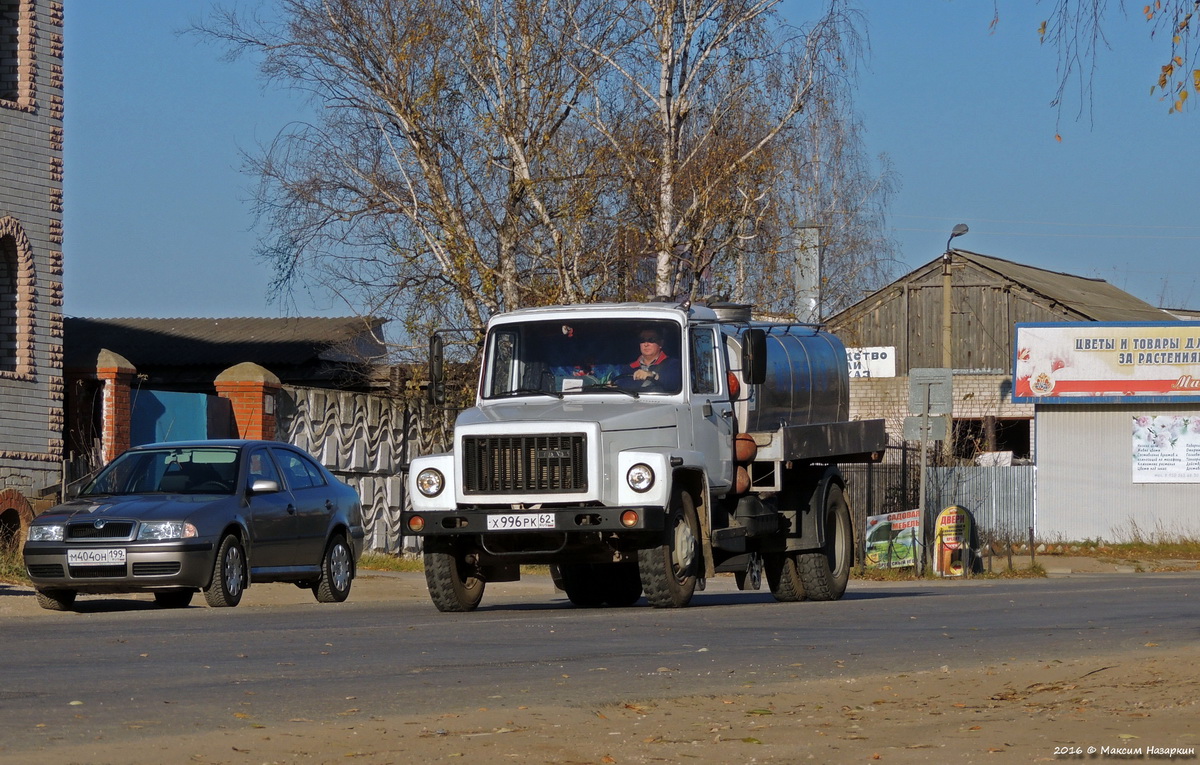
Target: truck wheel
[(229, 574), (583, 584), (669, 571), (826, 572), (783, 576), (750, 578), (622, 584), (454, 584)]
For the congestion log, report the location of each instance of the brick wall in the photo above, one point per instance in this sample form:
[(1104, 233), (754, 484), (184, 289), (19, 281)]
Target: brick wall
[(31, 198)]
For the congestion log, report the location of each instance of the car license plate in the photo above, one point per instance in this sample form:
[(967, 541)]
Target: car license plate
[(519, 521), (106, 556)]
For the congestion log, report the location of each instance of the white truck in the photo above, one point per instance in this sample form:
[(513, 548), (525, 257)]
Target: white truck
[(723, 457)]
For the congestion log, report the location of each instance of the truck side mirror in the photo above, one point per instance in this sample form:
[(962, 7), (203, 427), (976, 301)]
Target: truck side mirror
[(754, 356), (437, 381)]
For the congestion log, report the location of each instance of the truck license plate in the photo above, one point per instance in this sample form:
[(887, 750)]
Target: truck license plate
[(100, 557), (519, 521)]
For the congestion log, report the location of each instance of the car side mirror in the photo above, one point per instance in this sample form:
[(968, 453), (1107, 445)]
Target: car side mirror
[(263, 486)]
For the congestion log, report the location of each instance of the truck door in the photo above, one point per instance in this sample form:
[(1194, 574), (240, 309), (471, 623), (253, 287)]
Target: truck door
[(712, 412)]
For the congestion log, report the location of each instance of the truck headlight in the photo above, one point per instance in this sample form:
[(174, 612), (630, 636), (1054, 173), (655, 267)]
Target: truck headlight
[(430, 482), (161, 531), (50, 533), (640, 477)]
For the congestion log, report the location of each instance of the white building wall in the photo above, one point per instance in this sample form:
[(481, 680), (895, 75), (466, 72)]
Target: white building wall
[(1085, 487)]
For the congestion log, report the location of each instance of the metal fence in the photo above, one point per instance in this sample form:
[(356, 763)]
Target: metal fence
[(1001, 499)]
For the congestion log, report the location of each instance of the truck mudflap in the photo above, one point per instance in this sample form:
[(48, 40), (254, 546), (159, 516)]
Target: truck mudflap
[(549, 520)]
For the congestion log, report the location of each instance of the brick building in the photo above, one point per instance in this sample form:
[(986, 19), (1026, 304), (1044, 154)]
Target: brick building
[(988, 297), (31, 259)]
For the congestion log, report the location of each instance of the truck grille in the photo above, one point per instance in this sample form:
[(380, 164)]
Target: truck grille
[(525, 464)]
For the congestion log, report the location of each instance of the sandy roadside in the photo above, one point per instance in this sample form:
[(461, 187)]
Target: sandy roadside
[(1138, 705)]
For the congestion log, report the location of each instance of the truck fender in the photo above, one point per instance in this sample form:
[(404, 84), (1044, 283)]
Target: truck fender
[(695, 483), (812, 518)]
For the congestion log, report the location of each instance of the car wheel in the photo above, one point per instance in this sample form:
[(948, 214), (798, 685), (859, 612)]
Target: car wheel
[(173, 598), (337, 572), (229, 574), (56, 600)]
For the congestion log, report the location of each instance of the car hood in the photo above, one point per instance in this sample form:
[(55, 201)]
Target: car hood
[(142, 506)]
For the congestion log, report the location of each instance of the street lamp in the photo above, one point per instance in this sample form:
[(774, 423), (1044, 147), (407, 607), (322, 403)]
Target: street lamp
[(947, 358)]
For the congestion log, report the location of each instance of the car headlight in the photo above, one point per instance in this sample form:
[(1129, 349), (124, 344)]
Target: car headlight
[(430, 482), (48, 533), (158, 531), (640, 477)]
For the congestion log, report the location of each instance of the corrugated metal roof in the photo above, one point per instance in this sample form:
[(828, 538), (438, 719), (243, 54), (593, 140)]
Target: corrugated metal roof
[(183, 342), (1094, 298)]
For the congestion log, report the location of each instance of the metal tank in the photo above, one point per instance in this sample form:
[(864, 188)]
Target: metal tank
[(807, 383)]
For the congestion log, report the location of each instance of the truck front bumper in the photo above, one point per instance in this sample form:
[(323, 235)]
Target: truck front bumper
[(555, 520)]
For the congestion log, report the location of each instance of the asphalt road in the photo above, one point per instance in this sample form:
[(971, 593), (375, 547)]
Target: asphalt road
[(124, 668)]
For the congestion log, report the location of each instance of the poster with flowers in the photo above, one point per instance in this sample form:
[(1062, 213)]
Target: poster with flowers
[(1166, 448)]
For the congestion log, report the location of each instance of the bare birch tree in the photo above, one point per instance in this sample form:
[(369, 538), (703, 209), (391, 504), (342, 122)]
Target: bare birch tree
[(471, 156)]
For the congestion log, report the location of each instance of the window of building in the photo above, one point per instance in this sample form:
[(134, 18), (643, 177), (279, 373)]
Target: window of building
[(16, 62), (8, 304), (16, 282), (973, 437)]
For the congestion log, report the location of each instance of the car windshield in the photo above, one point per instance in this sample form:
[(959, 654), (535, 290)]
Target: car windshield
[(185, 470), (635, 356)]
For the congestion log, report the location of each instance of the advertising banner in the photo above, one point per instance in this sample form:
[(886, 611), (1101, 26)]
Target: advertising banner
[(877, 361), (893, 539), (1166, 448), (1100, 362)]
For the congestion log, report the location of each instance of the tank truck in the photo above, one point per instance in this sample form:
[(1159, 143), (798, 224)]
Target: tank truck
[(721, 457)]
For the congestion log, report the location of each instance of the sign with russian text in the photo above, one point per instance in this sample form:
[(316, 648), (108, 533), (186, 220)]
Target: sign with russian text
[(1166, 448), (893, 539), (1102, 362), (872, 362)]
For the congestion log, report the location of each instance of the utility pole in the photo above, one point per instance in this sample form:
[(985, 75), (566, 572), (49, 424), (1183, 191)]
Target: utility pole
[(947, 335)]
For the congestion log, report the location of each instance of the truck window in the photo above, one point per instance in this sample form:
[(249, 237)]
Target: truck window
[(704, 362), (579, 356)]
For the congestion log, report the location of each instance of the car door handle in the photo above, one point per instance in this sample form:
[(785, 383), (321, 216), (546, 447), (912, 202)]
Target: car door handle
[(291, 509), (329, 504)]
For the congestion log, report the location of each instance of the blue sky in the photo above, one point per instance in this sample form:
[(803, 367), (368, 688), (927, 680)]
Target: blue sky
[(158, 221)]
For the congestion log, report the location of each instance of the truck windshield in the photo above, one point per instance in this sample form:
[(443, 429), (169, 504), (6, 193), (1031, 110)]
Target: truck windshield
[(585, 356)]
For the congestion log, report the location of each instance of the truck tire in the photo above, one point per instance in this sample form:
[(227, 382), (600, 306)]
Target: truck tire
[(623, 584), (826, 572), (582, 584), (454, 584), (783, 577), (670, 570)]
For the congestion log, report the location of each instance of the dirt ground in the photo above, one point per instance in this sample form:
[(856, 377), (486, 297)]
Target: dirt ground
[(1139, 705)]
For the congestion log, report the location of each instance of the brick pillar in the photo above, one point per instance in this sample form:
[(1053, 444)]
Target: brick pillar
[(251, 390), (115, 374)]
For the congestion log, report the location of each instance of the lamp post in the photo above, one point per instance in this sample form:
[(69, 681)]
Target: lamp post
[(947, 350)]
